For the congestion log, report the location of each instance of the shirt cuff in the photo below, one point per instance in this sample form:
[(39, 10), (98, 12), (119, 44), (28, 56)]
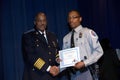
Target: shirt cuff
[(48, 69)]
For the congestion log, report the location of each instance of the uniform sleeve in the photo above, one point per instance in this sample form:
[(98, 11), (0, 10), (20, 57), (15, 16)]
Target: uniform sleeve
[(29, 55), (63, 46), (96, 49)]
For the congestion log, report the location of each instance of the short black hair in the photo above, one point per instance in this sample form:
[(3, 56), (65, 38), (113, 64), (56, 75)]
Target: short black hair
[(76, 12), (39, 13)]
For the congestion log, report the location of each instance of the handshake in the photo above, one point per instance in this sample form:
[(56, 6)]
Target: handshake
[(54, 70)]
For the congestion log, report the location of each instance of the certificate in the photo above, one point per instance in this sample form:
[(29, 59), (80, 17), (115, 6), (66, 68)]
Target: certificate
[(69, 57)]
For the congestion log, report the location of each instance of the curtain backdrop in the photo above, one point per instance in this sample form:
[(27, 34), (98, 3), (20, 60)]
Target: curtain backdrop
[(16, 17)]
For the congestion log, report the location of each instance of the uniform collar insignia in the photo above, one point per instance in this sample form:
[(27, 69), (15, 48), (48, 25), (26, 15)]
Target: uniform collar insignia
[(36, 33)]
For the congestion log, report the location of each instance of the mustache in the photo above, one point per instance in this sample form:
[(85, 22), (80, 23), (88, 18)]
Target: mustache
[(42, 25)]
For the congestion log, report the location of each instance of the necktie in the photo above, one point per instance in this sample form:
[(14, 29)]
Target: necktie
[(71, 69), (72, 39), (44, 37)]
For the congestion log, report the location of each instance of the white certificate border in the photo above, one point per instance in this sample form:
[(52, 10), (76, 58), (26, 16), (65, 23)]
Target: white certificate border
[(61, 52)]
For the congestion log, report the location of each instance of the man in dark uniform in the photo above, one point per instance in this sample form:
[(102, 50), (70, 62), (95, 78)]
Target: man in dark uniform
[(40, 49)]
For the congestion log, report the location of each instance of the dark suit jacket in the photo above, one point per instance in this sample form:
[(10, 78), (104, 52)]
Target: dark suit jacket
[(36, 50), (109, 65)]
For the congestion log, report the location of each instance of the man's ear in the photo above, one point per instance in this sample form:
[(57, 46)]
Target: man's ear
[(80, 19)]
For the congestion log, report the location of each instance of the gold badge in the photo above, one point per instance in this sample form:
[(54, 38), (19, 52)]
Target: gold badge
[(80, 35)]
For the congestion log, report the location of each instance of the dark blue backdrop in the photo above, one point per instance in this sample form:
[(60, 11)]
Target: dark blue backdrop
[(16, 16)]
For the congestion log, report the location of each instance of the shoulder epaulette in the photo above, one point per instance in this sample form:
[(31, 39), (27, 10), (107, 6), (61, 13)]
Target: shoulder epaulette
[(31, 30)]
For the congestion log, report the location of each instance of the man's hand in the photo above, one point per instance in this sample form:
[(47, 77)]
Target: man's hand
[(58, 60), (54, 70), (79, 65)]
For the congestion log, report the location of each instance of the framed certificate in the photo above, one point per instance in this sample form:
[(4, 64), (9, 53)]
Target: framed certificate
[(69, 57)]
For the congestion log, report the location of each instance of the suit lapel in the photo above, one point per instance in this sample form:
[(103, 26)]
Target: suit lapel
[(48, 37), (40, 37)]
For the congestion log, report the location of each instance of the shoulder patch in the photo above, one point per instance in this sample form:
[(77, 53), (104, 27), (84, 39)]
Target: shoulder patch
[(93, 34)]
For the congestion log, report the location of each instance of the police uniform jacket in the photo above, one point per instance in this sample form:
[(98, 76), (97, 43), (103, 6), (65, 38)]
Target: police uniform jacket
[(38, 55), (87, 41)]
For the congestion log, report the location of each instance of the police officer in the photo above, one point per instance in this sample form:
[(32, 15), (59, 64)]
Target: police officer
[(40, 48), (87, 41)]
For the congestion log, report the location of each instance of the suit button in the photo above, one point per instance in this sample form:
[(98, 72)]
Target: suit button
[(49, 52), (37, 33), (49, 59), (36, 40), (49, 46), (33, 69), (37, 45)]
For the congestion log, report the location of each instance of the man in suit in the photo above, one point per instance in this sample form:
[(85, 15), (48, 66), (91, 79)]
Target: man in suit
[(89, 46), (109, 64), (40, 49)]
